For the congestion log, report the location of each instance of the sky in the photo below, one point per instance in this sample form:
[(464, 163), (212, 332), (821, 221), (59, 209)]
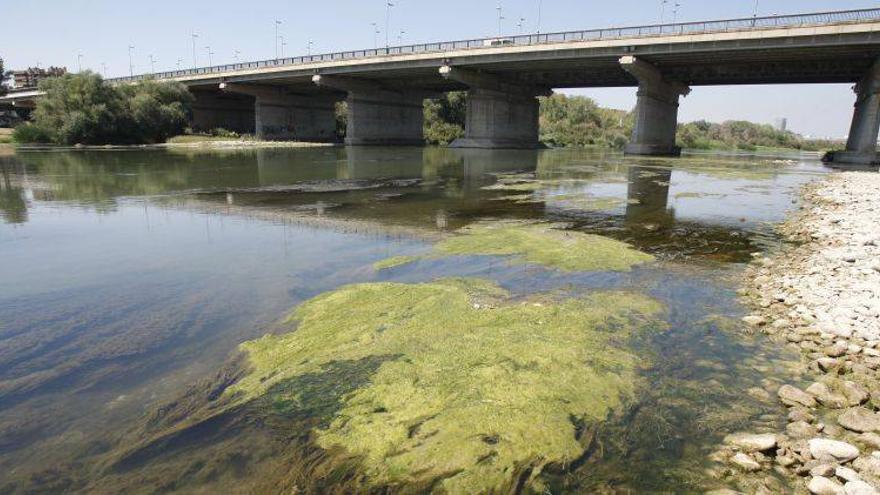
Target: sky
[(97, 34)]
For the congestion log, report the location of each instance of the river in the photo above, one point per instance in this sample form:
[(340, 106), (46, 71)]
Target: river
[(130, 276)]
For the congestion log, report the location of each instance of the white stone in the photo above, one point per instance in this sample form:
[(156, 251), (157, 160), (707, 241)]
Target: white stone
[(834, 450)]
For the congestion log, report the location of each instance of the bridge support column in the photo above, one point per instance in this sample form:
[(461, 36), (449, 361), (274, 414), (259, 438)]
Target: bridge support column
[(656, 113), (377, 115), (280, 116), (861, 146), (213, 110), (500, 114)]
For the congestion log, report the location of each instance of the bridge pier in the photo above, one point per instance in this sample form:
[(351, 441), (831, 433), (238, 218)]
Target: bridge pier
[(656, 113), (861, 146), (378, 115), (213, 110), (279, 116), (500, 115)]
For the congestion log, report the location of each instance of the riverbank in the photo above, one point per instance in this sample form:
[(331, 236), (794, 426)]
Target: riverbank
[(820, 294)]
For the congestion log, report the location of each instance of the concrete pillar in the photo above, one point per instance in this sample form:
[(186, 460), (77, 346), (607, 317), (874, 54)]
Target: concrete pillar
[(214, 110), (861, 146), (280, 116), (378, 115), (656, 113), (500, 114)]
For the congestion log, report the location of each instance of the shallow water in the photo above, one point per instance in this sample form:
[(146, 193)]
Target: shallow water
[(129, 276)]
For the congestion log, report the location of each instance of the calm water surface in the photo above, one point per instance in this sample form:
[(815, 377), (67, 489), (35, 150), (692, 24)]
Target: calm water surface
[(129, 276)]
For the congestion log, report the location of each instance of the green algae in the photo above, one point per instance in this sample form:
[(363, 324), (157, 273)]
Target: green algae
[(474, 390), (546, 244), (393, 262)]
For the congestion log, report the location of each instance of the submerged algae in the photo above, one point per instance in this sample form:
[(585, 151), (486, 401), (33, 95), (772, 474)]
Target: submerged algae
[(482, 392), (546, 244), (394, 262)]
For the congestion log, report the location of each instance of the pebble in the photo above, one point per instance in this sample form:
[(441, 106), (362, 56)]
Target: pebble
[(860, 420), (752, 442), (745, 462), (859, 488), (821, 485), (793, 396), (832, 450)]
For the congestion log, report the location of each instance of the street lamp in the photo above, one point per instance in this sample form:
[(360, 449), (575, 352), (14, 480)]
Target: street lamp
[(210, 54), (79, 58), (283, 44), (179, 61), (375, 35), (235, 55), (663, 10), (195, 59), (152, 64), (540, 4), (309, 48), (675, 12), (130, 62), (400, 37), (277, 23), (104, 69), (500, 19), (519, 25), (388, 7)]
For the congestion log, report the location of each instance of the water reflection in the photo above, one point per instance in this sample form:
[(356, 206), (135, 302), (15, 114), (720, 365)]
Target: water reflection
[(13, 206)]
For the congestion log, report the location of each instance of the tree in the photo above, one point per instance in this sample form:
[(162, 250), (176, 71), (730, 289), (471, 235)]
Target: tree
[(445, 118), (83, 109), (4, 76)]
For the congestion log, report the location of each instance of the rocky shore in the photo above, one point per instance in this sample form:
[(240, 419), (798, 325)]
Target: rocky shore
[(820, 294)]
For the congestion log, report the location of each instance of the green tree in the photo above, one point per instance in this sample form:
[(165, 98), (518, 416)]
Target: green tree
[(83, 109), (445, 118), (4, 76)]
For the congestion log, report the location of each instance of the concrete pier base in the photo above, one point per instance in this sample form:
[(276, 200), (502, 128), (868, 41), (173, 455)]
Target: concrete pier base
[(279, 116), (861, 146), (499, 120), (656, 113), (385, 118), (379, 115), (500, 114), (215, 110)]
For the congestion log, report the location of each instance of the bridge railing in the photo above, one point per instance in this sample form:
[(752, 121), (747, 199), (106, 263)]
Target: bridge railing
[(706, 27)]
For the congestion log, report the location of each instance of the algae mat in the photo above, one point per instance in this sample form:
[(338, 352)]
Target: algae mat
[(546, 244), (475, 392)]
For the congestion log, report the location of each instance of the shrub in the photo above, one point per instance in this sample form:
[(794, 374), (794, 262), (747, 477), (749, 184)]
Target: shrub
[(30, 133)]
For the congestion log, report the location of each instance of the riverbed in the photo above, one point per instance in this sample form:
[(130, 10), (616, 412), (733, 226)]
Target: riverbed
[(132, 278)]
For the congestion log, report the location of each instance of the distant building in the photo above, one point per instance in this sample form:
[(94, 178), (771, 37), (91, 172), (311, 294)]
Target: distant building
[(31, 77), (781, 124)]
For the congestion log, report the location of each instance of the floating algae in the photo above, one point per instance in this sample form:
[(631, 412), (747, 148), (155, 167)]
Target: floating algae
[(475, 392), (546, 244), (393, 262)]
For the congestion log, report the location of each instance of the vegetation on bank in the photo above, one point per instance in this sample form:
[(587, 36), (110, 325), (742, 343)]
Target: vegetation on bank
[(84, 109)]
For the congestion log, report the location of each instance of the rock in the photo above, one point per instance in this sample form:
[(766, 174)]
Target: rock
[(724, 491), (754, 320), (835, 350), (832, 450), (800, 414), (859, 487), (793, 396), (751, 442), (826, 397), (872, 440), (827, 364), (785, 460), (745, 462), (781, 323), (821, 485), (801, 429), (822, 470), (867, 466), (846, 474), (855, 394), (860, 420)]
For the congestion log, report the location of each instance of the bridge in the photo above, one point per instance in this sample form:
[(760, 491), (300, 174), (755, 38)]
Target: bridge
[(294, 98)]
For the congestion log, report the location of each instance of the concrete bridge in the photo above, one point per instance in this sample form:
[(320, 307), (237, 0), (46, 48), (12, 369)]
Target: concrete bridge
[(294, 98)]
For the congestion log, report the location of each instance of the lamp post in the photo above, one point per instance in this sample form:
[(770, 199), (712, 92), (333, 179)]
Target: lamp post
[(309, 48), (277, 23), (235, 55), (500, 20), (130, 62), (195, 59), (104, 69), (663, 10), (210, 55), (519, 25), (540, 5), (375, 35), (283, 44), (388, 7), (400, 37), (675, 12), (179, 61), (79, 58), (152, 64)]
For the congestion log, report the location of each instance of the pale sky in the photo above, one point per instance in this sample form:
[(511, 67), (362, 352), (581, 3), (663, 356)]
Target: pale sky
[(56, 32)]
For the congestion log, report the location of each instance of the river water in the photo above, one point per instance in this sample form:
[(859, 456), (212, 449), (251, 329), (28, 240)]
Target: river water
[(129, 276)]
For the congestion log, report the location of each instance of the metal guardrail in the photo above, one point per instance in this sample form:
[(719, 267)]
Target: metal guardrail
[(706, 27)]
